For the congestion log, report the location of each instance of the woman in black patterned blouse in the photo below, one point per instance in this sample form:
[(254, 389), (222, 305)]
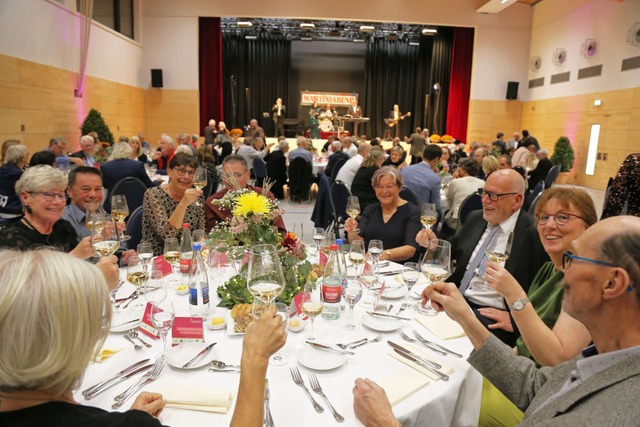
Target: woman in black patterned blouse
[(625, 189)]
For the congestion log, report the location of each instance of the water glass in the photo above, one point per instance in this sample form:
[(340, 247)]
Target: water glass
[(351, 292), (162, 317)]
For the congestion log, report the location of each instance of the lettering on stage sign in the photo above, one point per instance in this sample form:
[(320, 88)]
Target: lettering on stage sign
[(336, 99)]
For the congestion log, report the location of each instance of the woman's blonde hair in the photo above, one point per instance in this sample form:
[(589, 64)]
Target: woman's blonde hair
[(41, 178), (489, 165), (372, 158), (54, 314), (136, 139)]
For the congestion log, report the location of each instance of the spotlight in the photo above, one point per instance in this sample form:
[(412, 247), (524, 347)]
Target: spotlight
[(429, 31), (436, 87), (244, 24), (307, 25), (367, 28)]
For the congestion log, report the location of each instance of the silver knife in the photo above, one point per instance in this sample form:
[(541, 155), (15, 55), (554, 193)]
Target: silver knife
[(392, 316), (326, 347), (207, 348), (119, 374), (427, 361), (442, 376), (433, 344), (99, 390)]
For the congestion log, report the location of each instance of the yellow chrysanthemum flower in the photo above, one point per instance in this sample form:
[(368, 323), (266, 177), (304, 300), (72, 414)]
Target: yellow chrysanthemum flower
[(251, 204)]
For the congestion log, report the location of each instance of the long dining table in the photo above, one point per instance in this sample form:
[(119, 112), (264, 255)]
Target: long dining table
[(455, 402)]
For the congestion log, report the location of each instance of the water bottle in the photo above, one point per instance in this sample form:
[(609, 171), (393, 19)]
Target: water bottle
[(186, 254), (343, 267), (332, 285), (198, 285)]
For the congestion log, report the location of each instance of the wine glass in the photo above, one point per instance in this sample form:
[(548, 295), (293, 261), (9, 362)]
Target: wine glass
[(410, 275), (265, 279), (95, 218), (436, 266), (154, 290), (137, 275), (497, 255), (199, 181), (351, 292), (353, 209), (172, 251), (368, 278), (282, 310), (145, 253), (162, 317), (428, 215), (375, 249), (120, 211), (105, 241), (318, 237), (311, 304), (237, 255)]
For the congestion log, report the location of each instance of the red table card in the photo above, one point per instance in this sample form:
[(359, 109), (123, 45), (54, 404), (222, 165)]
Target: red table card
[(146, 325), (162, 265), (187, 329)]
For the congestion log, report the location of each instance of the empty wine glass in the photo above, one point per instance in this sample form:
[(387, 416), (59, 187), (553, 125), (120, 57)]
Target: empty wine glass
[(351, 292), (105, 241), (154, 290), (375, 249), (410, 275), (265, 278), (368, 278), (145, 253), (318, 237), (311, 304), (436, 266), (120, 211), (199, 181), (237, 255), (429, 215), (353, 209), (162, 317)]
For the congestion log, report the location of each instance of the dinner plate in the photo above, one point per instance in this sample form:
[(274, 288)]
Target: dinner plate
[(125, 320), (181, 354), (320, 360), (395, 292), (381, 324)]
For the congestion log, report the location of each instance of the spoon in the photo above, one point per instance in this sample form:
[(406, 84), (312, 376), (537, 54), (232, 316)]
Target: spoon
[(219, 364), (134, 334), (133, 297)]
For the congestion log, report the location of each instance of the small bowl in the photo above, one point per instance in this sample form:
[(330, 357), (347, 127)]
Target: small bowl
[(221, 322), (182, 290), (301, 324)]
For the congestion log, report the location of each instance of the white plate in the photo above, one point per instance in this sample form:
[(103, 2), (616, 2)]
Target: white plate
[(181, 354), (216, 327), (395, 292), (381, 324), (120, 321), (320, 360)]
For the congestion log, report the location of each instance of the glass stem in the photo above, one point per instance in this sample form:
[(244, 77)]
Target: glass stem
[(351, 314), (313, 332)]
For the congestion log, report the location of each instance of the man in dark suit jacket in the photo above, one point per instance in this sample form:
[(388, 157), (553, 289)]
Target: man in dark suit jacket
[(210, 132), (541, 170), (279, 111), (336, 155), (87, 145), (277, 168), (527, 254)]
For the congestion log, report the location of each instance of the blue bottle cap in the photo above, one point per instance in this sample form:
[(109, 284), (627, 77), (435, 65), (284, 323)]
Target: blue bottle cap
[(339, 241), (197, 246)]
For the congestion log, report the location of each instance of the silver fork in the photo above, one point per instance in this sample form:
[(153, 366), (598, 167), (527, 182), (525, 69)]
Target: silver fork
[(297, 378), (137, 346), (147, 378), (134, 334), (315, 386), (376, 339), (413, 340)]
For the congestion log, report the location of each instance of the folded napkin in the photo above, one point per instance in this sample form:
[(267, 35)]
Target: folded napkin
[(195, 398), (441, 325), (106, 353), (446, 369), (402, 384)]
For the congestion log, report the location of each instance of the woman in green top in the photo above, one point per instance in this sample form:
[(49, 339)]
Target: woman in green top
[(548, 335)]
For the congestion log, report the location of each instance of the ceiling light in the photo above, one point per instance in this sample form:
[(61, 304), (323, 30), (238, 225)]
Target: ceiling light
[(436, 86), (244, 24), (367, 28), (306, 38), (495, 6), (414, 43), (429, 31), (307, 25)]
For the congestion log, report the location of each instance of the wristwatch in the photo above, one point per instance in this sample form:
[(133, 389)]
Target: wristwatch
[(519, 304)]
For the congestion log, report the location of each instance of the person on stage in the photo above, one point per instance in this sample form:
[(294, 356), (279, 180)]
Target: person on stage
[(279, 110), (314, 112), (395, 118), (354, 110)]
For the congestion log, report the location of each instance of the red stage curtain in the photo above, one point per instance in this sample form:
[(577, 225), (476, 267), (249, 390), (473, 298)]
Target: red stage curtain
[(210, 54), (460, 83)]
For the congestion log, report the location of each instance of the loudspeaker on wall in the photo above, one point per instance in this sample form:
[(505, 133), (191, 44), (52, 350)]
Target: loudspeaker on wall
[(512, 90), (156, 78)]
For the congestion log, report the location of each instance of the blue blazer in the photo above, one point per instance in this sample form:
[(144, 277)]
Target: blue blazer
[(114, 170)]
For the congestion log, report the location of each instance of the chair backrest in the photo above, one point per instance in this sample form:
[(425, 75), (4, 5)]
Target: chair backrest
[(299, 178), (552, 175), (537, 189), (134, 228), (473, 202), (259, 168), (410, 196), (534, 202), (336, 169), (339, 195), (133, 190)]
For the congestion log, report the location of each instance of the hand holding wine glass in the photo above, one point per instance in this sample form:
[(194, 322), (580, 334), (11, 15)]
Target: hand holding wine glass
[(436, 266), (120, 211), (199, 181), (105, 241), (353, 209), (428, 215)]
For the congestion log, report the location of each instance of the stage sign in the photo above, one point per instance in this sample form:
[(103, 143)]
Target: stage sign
[(336, 99)]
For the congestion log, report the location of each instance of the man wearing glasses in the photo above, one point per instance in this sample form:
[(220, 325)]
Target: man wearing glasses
[(598, 387), (489, 230)]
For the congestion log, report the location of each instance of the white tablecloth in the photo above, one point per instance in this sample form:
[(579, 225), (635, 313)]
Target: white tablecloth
[(440, 403)]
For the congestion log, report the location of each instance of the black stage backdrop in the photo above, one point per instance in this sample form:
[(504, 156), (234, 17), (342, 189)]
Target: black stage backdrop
[(256, 72)]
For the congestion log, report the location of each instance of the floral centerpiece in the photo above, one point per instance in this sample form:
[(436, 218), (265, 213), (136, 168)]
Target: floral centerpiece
[(252, 224), (435, 138)]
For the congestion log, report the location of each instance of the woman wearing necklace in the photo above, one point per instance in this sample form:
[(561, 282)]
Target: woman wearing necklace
[(167, 207), (42, 192), (392, 220)]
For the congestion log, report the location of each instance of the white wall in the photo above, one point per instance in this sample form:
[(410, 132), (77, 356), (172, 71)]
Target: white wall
[(47, 33), (609, 22)]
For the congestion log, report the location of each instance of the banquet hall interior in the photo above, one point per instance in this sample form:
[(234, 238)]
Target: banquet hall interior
[(567, 65)]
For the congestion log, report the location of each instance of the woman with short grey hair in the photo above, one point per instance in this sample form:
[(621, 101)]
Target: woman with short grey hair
[(10, 172)]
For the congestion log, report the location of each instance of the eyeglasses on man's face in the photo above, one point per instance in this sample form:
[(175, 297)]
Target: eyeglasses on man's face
[(182, 172), (48, 196), (568, 257), (560, 218), (494, 197)]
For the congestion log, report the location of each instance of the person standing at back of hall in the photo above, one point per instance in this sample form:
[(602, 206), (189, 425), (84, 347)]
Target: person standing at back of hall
[(279, 111)]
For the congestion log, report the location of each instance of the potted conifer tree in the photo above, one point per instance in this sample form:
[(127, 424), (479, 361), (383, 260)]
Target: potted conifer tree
[(564, 156)]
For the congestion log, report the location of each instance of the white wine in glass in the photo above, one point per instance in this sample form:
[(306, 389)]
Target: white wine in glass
[(200, 181), (436, 266), (428, 216), (500, 256), (353, 207), (312, 304), (120, 211), (105, 241)]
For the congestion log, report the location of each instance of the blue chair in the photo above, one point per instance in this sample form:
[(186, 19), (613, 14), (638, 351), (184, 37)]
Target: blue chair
[(528, 201), (299, 180), (260, 170), (133, 190), (134, 228), (473, 202), (339, 195), (336, 169), (410, 196), (552, 175)]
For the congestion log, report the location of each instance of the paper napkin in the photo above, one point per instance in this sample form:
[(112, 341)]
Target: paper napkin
[(402, 384), (197, 398), (441, 326), (106, 353), (446, 369)]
